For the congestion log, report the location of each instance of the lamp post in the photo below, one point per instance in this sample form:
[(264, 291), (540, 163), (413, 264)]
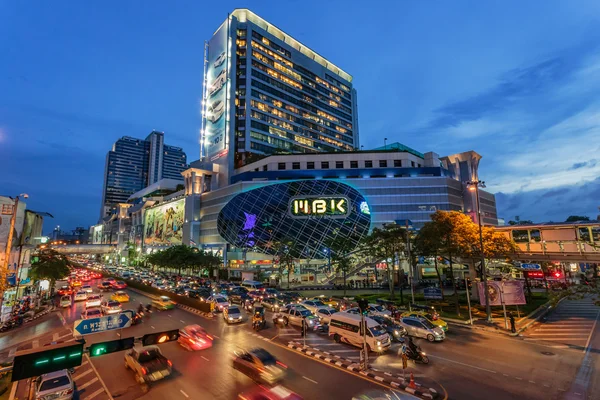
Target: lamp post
[(474, 186)]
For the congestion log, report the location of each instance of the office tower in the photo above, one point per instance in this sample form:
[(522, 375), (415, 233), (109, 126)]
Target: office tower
[(133, 164), (266, 93)]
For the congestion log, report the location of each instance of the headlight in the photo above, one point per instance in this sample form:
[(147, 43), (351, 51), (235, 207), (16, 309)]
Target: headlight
[(231, 319), (378, 343), (396, 333)]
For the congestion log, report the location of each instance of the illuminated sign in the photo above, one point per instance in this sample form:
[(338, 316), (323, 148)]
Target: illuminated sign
[(321, 206)]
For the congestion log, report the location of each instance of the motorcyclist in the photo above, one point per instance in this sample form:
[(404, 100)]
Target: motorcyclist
[(412, 348), (140, 308), (258, 318), (148, 307)]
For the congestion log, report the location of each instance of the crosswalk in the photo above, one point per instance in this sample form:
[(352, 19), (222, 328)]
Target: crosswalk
[(571, 323)]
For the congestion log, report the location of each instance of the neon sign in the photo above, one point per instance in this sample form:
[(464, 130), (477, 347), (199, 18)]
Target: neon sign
[(322, 206)]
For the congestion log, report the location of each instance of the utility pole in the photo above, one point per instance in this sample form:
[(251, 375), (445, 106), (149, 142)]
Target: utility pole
[(410, 266), (363, 304)]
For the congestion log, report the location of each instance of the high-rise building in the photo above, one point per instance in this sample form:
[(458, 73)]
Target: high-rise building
[(266, 93), (133, 164)]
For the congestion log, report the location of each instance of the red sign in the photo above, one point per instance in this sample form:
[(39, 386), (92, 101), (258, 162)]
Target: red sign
[(534, 274)]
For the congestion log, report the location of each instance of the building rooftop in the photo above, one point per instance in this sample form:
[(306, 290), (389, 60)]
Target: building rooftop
[(243, 15)]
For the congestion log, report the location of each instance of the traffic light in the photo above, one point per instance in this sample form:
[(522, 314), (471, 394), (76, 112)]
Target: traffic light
[(30, 363), (363, 306), (160, 337), (98, 349)]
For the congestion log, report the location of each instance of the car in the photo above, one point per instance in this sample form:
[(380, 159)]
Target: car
[(148, 364), (220, 302), (271, 304), (232, 314), (260, 365), (91, 313), (93, 301), (120, 296), (65, 301), (119, 285), (65, 291), (200, 294), (57, 385), (294, 316), (269, 393), (87, 288), (86, 278), (419, 327), (111, 307), (353, 310), (104, 286), (394, 330), (163, 303), (325, 313), (217, 83), (80, 296), (329, 301), (111, 280), (194, 337), (431, 317), (76, 283), (295, 296), (271, 292), (219, 60), (215, 111), (378, 309), (313, 305), (256, 295)]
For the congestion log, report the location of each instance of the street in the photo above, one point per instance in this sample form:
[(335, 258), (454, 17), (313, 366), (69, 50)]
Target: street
[(468, 363)]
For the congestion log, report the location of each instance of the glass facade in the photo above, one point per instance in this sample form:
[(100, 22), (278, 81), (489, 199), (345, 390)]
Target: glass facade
[(307, 212)]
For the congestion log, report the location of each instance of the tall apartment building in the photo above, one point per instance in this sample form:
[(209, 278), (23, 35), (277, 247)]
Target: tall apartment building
[(266, 93), (134, 164)]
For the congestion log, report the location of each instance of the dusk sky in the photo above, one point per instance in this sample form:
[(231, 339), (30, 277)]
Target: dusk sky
[(518, 82)]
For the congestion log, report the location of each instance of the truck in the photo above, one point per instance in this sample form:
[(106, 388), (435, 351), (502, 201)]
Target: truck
[(148, 364)]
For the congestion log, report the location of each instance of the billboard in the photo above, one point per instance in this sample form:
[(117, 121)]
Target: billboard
[(163, 223), (509, 293), (215, 102), (97, 234)]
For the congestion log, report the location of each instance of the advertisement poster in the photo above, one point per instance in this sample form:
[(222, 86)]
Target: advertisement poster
[(216, 94), (162, 224), (97, 234), (509, 293)]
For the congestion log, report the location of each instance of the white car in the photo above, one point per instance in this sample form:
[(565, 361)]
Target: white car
[(220, 60), (313, 305), (80, 296), (325, 313), (55, 385), (87, 289), (218, 83), (91, 313), (215, 111), (111, 307), (220, 302), (376, 309), (93, 301)]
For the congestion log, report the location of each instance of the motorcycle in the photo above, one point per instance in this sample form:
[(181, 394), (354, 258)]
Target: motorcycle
[(258, 319), (138, 318), (418, 356)]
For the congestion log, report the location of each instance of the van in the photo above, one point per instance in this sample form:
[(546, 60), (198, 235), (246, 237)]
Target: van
[(345, 327), (252, 285)]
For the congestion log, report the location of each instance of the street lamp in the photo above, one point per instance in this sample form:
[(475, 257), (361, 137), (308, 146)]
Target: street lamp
[(474, 186)]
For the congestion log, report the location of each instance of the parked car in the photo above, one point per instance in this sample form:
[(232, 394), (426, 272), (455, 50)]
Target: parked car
[(232, 314), (91, 313), (148, 364), (194, 337), (93, 301), (57, 385), (111, 307), (260, 365), (422, 328), (80, 296)]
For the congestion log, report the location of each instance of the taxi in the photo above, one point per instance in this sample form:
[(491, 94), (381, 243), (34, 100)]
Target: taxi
[(433, 318), (163, 303), (120, 296), (330, 301), (76, 283)]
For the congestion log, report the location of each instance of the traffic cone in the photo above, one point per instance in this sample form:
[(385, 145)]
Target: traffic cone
[(412, 384)]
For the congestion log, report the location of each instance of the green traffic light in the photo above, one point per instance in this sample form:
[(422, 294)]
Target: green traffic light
[(100, 350), (74, 355), (59, 358), (40, 362)]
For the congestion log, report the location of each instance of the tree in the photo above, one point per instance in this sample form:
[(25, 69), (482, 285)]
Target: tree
[(575, 218), (285, 253), (386, 243), (182, 257), (429, 242), (339, 248), (50, 265), (523, 222)]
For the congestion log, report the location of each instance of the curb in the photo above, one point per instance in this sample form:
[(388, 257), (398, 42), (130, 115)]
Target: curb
[(395, 381), (39, 315), (181, 306), (542, 315)]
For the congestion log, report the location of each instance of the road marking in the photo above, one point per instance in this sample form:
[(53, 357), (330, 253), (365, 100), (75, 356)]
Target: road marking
[(96, 393), (518, 378), (55, 337), (12, 352), (290, 334), (344, 351), (87, 358), (88, 383), (505, 374), (326, 344), (274, 337), (152, 327), (466, 365), (310, 380), (65, 335), (591, 333), (35, 344), (184, 393), (82, 374), (182, 321), (204, 358), (531, 382), (170, 316)]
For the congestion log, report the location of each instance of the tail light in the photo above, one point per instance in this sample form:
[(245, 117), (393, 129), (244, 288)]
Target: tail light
[(170, 363), (144, 371), (210, 337), (69, 391), (281, 364)]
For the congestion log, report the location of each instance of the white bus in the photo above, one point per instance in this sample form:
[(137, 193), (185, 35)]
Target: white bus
[(345, 327)]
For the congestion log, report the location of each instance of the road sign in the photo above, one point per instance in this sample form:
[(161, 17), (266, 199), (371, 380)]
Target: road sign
[(102, 324), (531, 266), (432, 293)]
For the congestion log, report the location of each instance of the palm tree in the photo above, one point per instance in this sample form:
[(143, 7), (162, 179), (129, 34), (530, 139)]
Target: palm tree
[(51, 266)]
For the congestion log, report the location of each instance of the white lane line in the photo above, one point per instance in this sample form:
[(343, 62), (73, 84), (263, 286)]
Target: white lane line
[(466, 365), (65, 335), (88, 383), (184, 393), (289, 334), (183, 322), (344, 351), (155, 328), (326, 344), (310, 380), (591, 333), (170, 316), (35, 344), (204, 358), (96, 393), (82, 374)]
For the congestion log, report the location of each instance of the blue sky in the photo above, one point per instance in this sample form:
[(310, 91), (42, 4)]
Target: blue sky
[(516, 81)]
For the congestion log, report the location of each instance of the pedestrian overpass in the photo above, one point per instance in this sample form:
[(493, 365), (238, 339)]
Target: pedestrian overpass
[(84, 248)]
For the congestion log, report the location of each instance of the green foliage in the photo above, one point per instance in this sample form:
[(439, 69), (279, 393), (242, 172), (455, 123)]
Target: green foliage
[(575, 218), (50, 265), (183, 257), (285, 253)]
